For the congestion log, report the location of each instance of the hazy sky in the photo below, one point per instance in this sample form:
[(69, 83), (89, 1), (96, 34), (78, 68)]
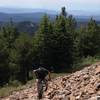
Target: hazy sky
[(87, 5)]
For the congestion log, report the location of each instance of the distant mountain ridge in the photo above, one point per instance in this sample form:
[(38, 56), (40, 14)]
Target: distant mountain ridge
[(18, 17), (35, 15), (27, 21)]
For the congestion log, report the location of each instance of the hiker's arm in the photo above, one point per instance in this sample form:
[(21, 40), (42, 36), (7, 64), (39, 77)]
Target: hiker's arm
[(49, 75), (35, 73)]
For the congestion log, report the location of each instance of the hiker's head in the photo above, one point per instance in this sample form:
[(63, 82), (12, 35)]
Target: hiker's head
[(51, 69), (34, 66), (39, 67)]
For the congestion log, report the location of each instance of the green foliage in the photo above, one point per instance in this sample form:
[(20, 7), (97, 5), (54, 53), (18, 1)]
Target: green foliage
[(89, 41), (84, 62), (9, 33), (60, 25), (58, 44), (53, 46), (7, 37), (24, 58), (41, 42), (64, 44), (71, 25), (15, 55)]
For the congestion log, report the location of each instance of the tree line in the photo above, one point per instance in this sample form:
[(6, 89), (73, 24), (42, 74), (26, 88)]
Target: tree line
[(57, 44)]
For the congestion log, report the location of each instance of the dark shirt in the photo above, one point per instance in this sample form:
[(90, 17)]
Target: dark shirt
[(41, 73)]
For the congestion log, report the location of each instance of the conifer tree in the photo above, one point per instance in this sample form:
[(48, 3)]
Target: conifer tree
[(23, 57), (63, 12), (53, 45), (42, 42), (90, 39), (64, 44), (71, 24)]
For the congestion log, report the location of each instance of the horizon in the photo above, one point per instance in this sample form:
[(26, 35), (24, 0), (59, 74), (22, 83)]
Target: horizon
[(89, 6), (12, 10)]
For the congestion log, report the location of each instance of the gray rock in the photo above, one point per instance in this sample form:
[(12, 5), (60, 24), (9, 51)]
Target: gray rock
[(98, 87), (95, 98)]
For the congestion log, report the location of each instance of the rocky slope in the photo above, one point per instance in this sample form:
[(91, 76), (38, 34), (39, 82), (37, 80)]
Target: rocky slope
[(81, 85)]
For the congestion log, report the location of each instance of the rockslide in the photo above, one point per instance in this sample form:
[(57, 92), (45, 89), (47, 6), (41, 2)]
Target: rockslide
[(81, 85)]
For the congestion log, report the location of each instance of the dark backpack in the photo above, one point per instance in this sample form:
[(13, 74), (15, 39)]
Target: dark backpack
[(41, 73)]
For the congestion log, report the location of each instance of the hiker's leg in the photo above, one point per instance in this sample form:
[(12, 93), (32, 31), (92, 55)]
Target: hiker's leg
[(46, 84), (39, 89)]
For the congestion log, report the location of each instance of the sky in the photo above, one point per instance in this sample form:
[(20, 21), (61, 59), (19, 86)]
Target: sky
[(84, 5)]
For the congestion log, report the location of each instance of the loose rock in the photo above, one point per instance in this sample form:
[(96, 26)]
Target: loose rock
[(81, 85)]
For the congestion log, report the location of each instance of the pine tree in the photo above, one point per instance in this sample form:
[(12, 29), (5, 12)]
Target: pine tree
[(8, 35), (42, 42), (89, 40), (23, 57), (71, 24), (64, 44), (4, 68), (52, 45), (63, 12)]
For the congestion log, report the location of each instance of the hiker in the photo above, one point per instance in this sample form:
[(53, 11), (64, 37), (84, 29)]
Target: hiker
[(41, 75)]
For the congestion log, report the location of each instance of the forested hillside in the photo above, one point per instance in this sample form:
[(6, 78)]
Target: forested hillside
[(58, 44)]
